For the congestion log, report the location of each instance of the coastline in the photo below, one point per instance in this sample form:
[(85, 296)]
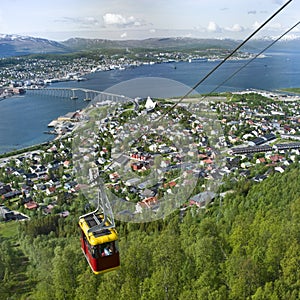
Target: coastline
[(23, 150), (218, 97), (35, 147), (184, 68)]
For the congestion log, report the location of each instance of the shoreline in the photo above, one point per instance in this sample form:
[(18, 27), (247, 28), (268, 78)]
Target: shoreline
[(57, 137), (134, 64), (23, 150), (34, 147)]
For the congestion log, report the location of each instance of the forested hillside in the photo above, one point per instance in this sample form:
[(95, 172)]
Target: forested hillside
[(244, 246)]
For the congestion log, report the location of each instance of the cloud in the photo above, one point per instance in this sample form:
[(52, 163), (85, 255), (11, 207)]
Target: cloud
[(274, 26), (111, 19), (235, 28), (280, 2), (152, 30), (124, 35), (270, 27), (255, 25), (296, 29), (213, 27), (251, 12), (84, 21)]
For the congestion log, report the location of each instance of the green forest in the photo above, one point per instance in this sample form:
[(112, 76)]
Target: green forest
[(245, 245)]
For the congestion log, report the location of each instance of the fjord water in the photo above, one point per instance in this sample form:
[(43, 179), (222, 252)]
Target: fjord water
[(24, 119), (276, 70)]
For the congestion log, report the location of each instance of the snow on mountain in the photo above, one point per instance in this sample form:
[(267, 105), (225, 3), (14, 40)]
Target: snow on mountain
[(13, 44), (288, 37)]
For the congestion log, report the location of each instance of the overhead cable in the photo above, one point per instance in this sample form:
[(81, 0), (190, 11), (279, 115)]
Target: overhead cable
[(227, 57), (253, 58)]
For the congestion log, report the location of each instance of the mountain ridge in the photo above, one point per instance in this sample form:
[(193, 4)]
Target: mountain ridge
[(17, 45), (149, 43)]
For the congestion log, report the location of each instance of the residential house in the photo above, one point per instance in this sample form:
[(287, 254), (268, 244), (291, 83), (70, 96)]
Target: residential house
[(146, 203), (202, 199), (31, 205), (50, 190)]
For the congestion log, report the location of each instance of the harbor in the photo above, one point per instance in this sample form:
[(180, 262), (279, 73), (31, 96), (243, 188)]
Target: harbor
[(25, 118)]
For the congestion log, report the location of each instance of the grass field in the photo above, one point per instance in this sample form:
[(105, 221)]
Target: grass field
[(292, 90), (20, 283), (9, 229)]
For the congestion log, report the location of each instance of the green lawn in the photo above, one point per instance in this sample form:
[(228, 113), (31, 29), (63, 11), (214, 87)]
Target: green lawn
[(20, 283), (9, 229), (292, 90)]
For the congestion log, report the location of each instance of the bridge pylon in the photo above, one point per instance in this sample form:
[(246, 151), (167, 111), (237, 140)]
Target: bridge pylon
[(73, 97)]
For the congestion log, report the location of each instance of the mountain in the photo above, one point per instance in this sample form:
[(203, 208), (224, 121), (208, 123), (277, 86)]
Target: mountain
[(287, 43), (14, 45), (151, 43)]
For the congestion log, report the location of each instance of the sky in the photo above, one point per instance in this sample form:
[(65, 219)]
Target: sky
[(139, 19)]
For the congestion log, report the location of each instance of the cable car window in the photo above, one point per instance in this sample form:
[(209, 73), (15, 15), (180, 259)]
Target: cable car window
[(95, 252), (89, 247), (116, 246), (106, 249)]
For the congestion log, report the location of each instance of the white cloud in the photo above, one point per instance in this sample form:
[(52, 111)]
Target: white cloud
[(84, 21), (213, 27), (270, 27), (296, 29), (152, 30), (124, 35), (274, 26), (114, 19), (255, 25), (235, 28), (111, 19), (1, 23)]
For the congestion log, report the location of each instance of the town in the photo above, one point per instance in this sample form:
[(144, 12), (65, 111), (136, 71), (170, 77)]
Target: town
[(223, 138), (21, 73)]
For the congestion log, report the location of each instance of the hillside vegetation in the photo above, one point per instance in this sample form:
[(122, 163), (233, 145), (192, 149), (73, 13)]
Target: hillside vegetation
[(246, 246)]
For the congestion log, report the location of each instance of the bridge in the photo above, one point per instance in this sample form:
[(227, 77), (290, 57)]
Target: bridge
[(79, 93)]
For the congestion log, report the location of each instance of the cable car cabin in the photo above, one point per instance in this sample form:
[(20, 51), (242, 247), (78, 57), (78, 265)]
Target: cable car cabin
[(99, 244)]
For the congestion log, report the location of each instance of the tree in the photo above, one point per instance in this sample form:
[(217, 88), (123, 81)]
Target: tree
[(290, 266), (65, 271), (167, 263), (87, 285)]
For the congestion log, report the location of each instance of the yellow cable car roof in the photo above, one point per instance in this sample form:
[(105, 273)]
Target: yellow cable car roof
[(108, 235)]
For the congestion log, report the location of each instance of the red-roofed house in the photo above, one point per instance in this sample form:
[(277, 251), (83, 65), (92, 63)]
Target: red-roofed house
[(276, 158), (146, 203), (67, 163), (31, 205), (170, 184), (50, 190)]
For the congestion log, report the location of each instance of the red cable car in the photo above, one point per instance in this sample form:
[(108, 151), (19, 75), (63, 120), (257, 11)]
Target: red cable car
[(99, 238)]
